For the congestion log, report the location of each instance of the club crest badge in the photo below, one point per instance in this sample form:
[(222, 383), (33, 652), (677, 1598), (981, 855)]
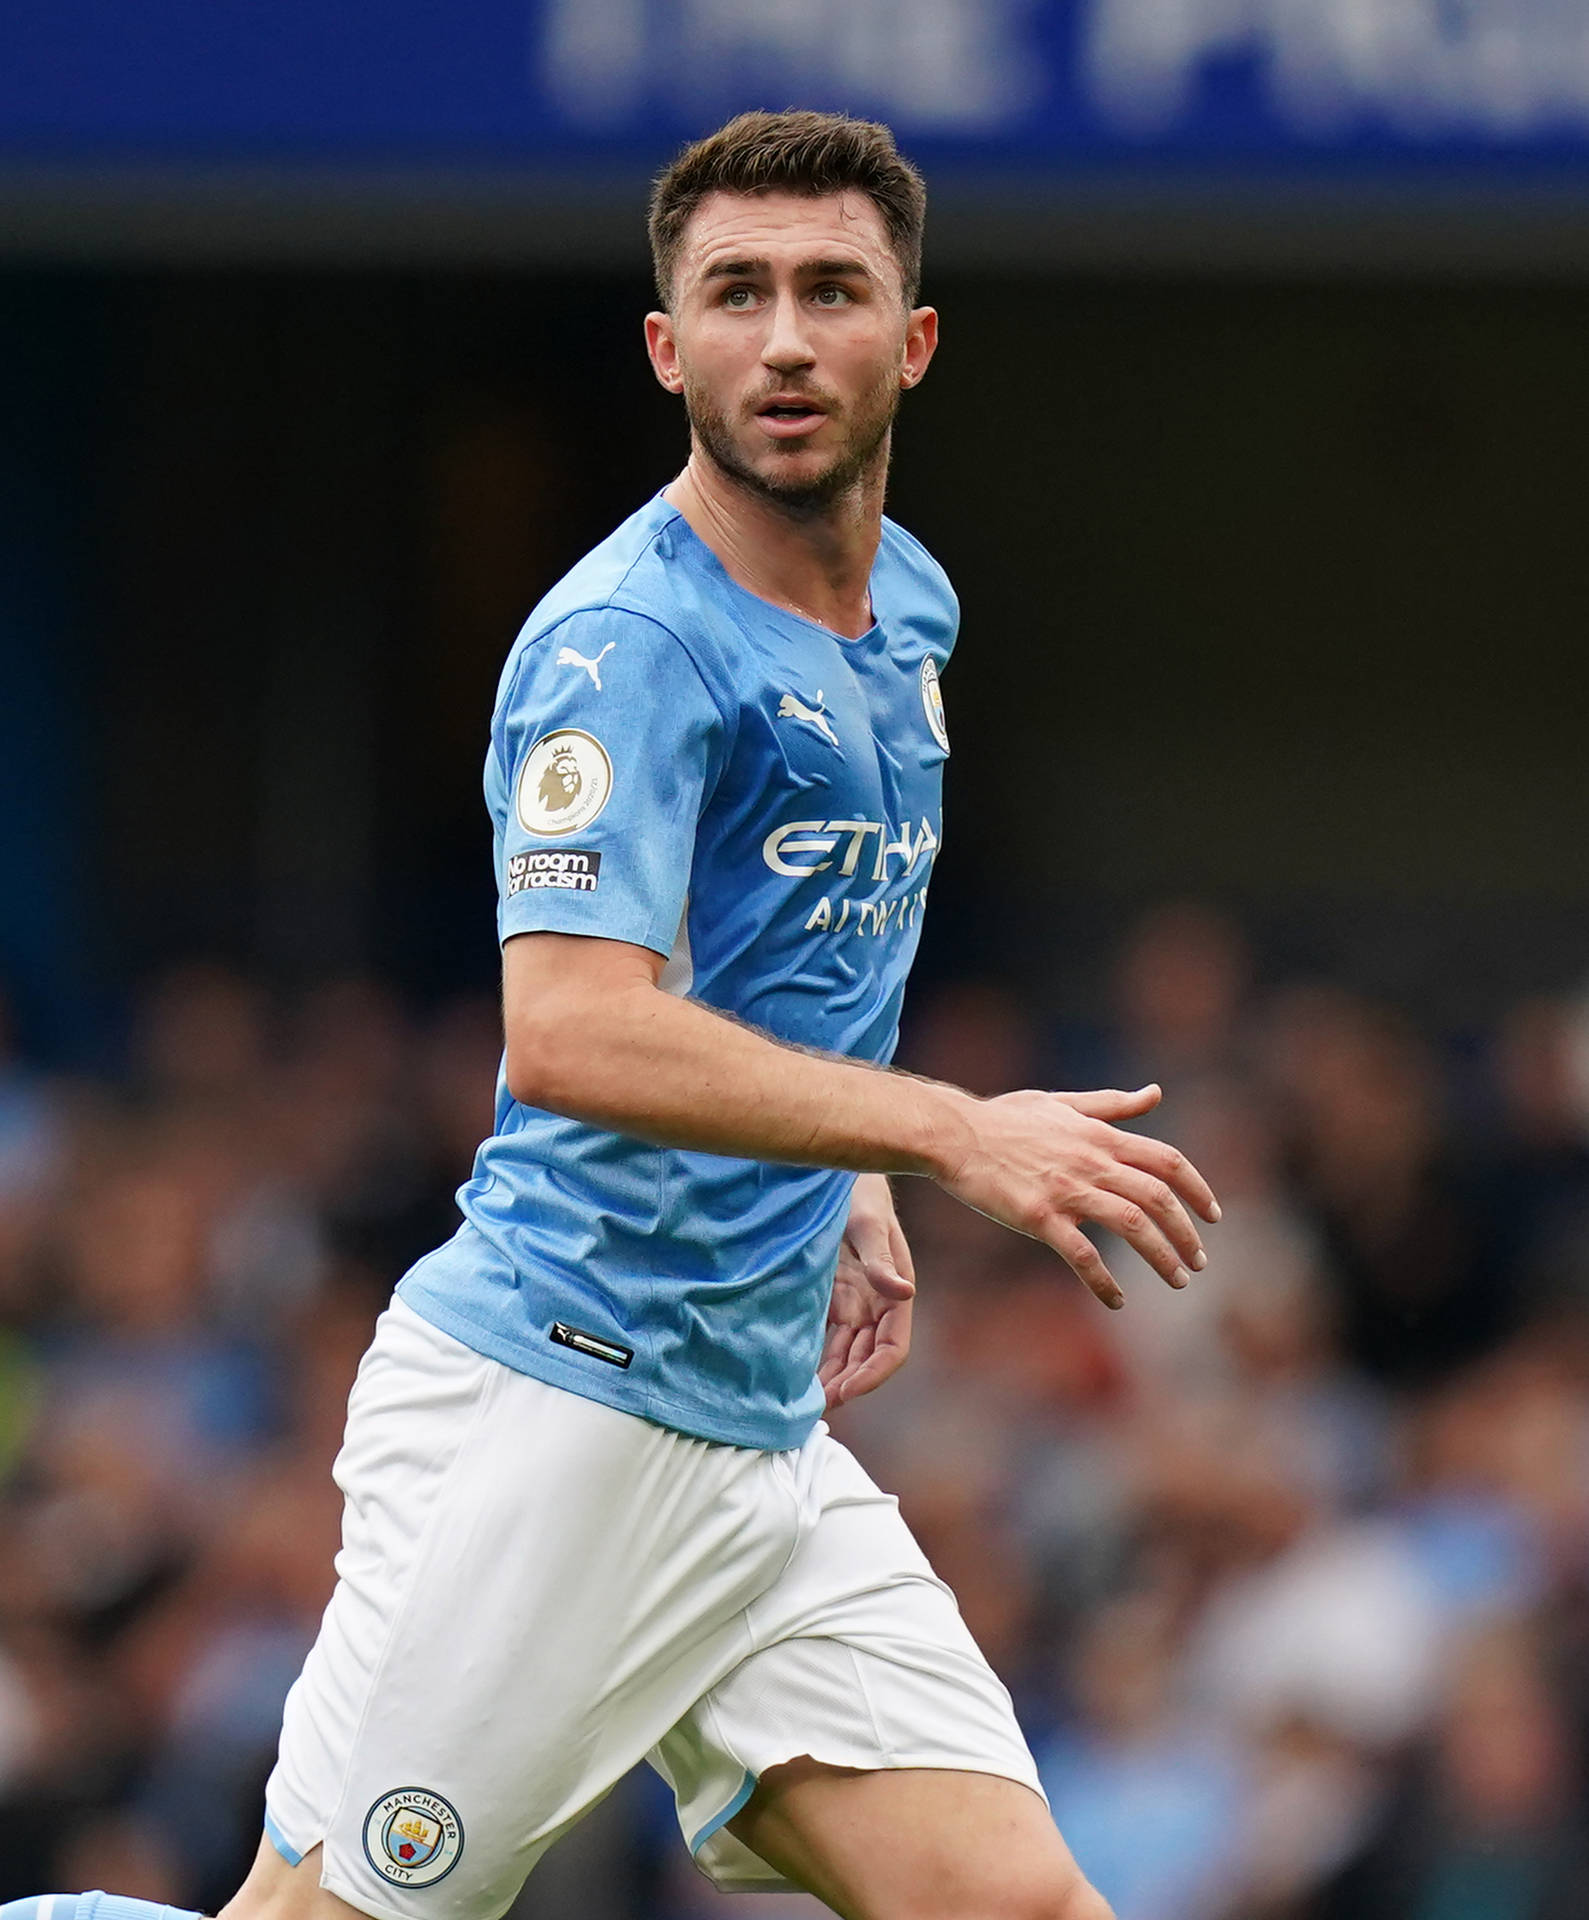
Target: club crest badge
[(932, 702), (413, 1837), (564, 783)]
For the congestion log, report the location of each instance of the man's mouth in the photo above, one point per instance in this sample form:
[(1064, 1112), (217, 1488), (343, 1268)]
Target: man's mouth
[(787, 417)]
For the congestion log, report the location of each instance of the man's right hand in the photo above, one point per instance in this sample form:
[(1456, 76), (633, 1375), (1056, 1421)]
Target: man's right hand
[(591, 1033), (1043, 1163)]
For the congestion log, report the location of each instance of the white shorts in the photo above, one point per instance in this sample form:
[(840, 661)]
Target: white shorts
[(536, 1591)]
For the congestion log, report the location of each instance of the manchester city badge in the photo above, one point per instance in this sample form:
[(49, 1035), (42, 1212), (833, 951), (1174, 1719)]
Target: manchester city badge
[(413, 1837)]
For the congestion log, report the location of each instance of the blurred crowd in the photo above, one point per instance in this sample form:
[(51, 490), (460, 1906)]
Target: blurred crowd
[(1288, 1574)]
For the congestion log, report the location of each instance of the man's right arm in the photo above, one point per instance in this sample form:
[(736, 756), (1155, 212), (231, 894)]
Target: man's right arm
[(591, 1034)]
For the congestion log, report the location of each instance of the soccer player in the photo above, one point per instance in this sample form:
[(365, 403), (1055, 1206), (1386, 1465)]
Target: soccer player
[(592, 1514)]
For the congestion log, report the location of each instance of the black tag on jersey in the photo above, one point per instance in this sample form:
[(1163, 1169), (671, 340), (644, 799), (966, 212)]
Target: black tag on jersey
[(570, 869), (591, 1343)]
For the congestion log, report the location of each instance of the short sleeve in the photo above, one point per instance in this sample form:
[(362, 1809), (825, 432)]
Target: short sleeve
[(609, 742)]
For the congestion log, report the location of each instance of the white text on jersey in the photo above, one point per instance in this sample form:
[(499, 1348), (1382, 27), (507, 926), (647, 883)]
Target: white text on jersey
[(868, 916), (824, 836)]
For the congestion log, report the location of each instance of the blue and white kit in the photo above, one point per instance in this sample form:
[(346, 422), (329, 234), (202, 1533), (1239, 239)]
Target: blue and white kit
[(592, 1515), (678, 764)]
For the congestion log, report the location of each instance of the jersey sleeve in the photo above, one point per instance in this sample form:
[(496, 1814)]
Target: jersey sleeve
[(609, 743)]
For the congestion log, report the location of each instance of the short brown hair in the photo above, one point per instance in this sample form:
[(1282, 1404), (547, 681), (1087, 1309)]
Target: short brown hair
[(794, 152)]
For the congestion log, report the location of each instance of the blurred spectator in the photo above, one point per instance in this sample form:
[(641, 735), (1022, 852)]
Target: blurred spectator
[(356, 1114), (1490, 1821), (1399, 1217), (30, 1131), (1152, 1800), (1180, 990), (200, 1041), (32, 1150), (1496, 1502), (1539, 1181), (975, 1035)]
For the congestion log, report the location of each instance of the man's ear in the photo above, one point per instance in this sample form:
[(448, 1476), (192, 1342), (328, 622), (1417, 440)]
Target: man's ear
[(921, 343), (663, 352)]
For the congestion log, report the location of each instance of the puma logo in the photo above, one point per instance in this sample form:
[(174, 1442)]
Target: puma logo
[(790, 708), (570, 657)]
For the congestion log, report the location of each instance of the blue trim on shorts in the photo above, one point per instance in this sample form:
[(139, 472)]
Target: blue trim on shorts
[(280, 1842), (747, 1788)]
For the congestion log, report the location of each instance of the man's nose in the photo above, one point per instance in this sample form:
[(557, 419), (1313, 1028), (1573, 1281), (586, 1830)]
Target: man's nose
[(788, 344)]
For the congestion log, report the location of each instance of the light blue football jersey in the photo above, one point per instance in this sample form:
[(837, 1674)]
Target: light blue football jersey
[(679, 764)]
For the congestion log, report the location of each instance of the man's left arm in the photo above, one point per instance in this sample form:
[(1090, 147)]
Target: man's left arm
[(874, 1290)]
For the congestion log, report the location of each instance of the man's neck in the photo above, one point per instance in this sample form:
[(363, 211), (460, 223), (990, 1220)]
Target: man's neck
[(818, 564)]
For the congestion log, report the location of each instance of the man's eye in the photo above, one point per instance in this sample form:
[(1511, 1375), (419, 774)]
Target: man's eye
[(738, 297), (833, 296)]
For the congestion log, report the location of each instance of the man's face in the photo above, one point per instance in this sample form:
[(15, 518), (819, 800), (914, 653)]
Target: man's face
[(790, 340)]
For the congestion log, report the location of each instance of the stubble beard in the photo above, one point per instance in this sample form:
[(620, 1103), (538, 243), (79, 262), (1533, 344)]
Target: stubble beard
[(856, 462)]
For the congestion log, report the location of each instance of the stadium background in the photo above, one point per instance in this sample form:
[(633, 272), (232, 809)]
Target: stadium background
[(1255, 451)]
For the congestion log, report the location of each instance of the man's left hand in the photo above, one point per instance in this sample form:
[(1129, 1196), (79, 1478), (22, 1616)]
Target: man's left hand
[(873, 1292)]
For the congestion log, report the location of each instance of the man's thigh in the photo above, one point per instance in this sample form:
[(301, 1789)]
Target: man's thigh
[(916, 1844), (860, 1663)]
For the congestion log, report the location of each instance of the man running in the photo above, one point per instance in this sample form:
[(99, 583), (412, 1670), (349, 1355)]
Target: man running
[(592, 1515)]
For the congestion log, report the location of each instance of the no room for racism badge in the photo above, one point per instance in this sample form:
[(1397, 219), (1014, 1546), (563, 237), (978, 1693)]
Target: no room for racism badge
[(413, 1837)]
